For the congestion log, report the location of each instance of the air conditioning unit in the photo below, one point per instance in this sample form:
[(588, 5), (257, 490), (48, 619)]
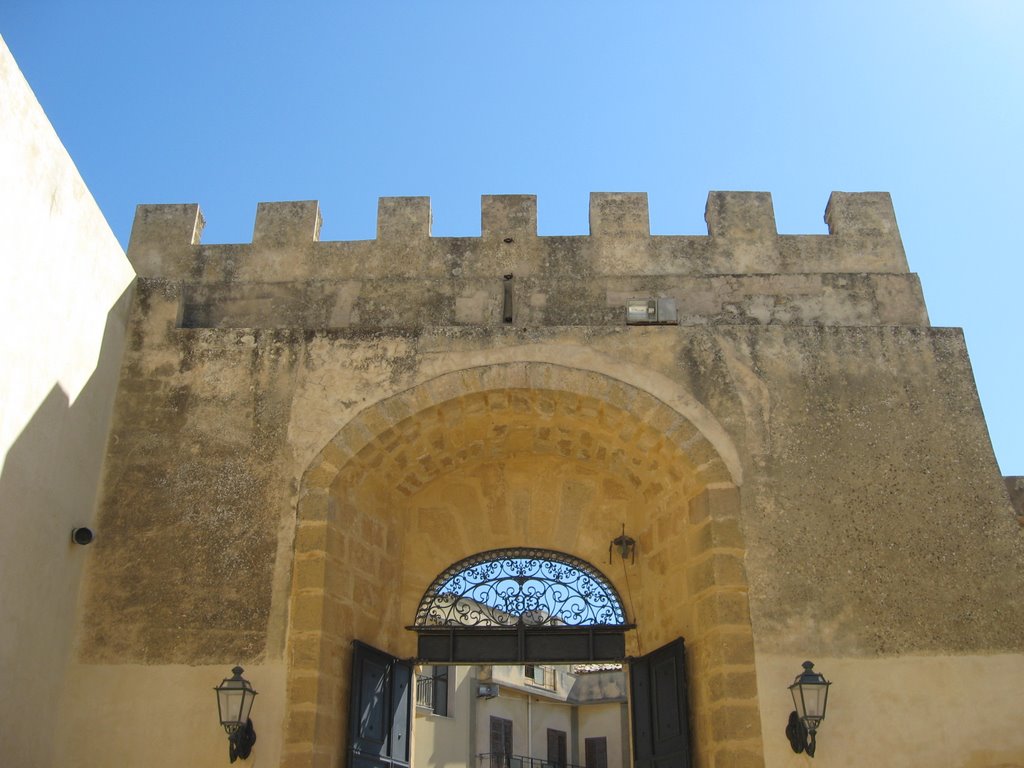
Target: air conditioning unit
[(651, 312), (487, 691)]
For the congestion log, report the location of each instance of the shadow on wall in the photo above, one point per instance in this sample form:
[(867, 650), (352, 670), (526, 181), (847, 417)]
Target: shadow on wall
[(48, 485)]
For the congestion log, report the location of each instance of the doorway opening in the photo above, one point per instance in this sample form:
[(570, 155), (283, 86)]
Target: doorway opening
[(521, 665), (500, 455)]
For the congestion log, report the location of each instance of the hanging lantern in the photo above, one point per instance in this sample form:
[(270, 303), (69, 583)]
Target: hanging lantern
[(624, 545)]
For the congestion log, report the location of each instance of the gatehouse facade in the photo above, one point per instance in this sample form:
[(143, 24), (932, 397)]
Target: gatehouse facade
[(306, 434)]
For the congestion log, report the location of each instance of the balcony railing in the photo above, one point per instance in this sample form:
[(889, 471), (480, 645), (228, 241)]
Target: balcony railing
[(425, 691), (499, 760)]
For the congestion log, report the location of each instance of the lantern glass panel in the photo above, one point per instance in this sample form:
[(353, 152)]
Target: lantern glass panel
[(798, 700), (231, 699), (243, 714), (234, 700), (814, 695)]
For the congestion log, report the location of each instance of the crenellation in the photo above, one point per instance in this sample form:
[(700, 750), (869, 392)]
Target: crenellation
[(861, 214), (162, 239), (403, 218), (742, 239), (746, 217), (741, 227), (508, 216), (741, 272), (865, 223), (290, 223), (619, 215)]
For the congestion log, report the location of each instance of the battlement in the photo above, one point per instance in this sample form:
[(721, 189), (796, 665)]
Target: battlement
[(742, 239), (580, 279)]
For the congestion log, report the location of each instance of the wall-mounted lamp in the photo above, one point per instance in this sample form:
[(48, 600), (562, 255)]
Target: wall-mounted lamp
[(810, 697), (625, 545), (234, 701)]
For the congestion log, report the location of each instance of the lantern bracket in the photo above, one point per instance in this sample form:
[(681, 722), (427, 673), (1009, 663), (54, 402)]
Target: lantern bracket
[(240, 741), (800, 739)]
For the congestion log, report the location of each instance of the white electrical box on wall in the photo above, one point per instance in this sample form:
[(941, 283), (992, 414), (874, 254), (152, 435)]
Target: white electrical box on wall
[(651, 312)]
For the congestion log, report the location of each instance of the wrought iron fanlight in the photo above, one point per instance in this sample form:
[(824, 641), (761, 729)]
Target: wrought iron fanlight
[(535, 587)]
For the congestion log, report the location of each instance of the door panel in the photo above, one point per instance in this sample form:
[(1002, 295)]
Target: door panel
[(380, 709), (401, 721), (661, 720), (596, 752), (557, 748), (501, 740)]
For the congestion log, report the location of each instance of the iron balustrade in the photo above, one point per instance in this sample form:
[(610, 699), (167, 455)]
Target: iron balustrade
[(502, 760), (425, 691)]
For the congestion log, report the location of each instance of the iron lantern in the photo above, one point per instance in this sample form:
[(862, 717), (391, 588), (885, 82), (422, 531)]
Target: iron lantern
[(624, 545), (234, 702), (810, 697)]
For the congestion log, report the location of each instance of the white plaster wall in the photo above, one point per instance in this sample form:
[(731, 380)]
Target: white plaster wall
[(162, 716), (62, 301), (604, 720), (446, 742), (939, 711), (509, 706)]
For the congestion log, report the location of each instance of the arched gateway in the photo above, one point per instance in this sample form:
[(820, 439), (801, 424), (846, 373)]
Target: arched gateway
[(501, 457)]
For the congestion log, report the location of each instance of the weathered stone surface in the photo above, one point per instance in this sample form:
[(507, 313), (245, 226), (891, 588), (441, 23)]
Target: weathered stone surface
[(308, 433), (1015, 487)]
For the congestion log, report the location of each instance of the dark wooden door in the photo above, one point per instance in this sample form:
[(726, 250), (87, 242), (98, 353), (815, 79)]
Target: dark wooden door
[(661, 720), (557, 748), (501, 741), (596, 752), (380, 710)]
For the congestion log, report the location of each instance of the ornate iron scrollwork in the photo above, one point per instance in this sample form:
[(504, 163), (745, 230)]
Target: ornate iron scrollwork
[(504, 587)]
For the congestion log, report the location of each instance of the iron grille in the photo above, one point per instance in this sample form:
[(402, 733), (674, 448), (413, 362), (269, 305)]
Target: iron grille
[(508, 587), (500, 760)]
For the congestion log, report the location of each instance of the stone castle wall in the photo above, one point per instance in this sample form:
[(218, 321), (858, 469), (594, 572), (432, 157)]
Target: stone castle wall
[(307, 432), (286, 278)]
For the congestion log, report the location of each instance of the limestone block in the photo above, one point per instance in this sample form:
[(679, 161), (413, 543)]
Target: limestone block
[(717, 570), (733, 684), (619, 214), (504, 216), (400, 218), (163, 237), (741, 216), (739, 758), (861, 214), (717, 609), (866, 221), (735, 722), (290, 223)]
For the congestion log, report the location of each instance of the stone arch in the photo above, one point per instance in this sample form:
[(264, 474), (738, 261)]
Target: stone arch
[(509, 455)]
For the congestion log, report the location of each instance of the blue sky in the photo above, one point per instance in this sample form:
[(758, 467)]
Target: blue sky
[(231, 103)]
